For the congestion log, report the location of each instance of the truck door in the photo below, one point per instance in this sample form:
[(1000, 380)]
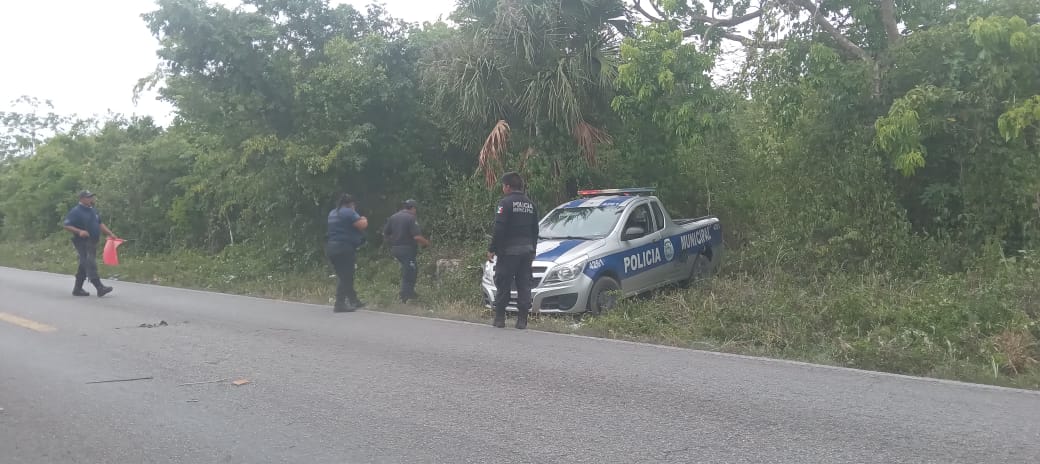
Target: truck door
[(643, 255), (674, 268)]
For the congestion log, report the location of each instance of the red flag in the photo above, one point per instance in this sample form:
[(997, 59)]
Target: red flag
[(111, 256)]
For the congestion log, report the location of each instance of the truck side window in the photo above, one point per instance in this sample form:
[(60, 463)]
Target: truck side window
[(640, 217), (658, 214)]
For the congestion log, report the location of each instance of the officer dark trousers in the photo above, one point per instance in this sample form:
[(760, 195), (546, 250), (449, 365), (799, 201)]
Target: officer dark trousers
[(514, 241), (406, 256), (513, 270), (343, 258), (88, 269), (87, 252)]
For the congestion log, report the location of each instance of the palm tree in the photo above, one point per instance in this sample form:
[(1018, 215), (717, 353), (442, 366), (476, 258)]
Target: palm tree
[(543, 67)]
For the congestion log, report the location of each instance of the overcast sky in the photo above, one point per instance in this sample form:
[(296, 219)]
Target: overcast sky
[(86, 56)]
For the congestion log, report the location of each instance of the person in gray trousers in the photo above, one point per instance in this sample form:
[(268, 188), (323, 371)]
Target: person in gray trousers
[(403, 235)]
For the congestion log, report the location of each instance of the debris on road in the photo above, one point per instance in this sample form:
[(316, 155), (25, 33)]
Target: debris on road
[(193, 401), (152, 326), (146, 325), (202, 383), (240, 382), (120, 380)]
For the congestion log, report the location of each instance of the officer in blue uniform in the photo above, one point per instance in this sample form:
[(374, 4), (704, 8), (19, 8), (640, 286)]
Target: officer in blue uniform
[(85, 224), (514, 241), (345, 234)]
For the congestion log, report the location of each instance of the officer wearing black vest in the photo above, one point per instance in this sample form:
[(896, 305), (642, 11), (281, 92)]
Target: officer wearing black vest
[(514, 242)]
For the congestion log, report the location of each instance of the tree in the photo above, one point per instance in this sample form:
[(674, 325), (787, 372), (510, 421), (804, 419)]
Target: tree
[(858, 30), (675, 132), (964, 131), (540, 72), (287, 103), (23, 132)]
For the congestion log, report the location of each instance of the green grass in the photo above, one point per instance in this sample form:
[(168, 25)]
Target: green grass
[(979, 326)]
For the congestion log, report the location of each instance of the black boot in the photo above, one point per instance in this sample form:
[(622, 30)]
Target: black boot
[(342, 307), (78, 289), (101, 289), (500, 318), (521, 319)]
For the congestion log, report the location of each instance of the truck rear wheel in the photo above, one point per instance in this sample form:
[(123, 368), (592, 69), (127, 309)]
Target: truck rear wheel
[(604, 295), (705, 265)]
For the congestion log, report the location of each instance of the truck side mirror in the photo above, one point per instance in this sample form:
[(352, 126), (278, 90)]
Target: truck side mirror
[(633, 233)]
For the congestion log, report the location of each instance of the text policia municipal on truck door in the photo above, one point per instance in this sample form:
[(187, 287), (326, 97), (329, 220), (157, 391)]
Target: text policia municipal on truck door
[(695, 238)]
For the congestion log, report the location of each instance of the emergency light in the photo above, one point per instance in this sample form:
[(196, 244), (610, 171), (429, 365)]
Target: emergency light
[(622, 192)]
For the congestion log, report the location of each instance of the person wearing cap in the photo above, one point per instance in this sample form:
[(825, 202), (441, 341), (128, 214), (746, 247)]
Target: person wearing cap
[(85, 224), (403, 235), (514, 242), (345, 234)]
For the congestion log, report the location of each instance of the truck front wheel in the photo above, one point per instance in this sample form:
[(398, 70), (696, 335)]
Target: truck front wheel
[(604, 295)]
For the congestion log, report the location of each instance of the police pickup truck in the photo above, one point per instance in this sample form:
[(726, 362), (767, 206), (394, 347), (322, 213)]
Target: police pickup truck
[(611, 243)]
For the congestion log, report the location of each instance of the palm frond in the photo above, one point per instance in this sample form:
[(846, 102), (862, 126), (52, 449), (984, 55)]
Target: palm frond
[(465, 84), (564, 95), (524, 157), (588, 138), (492, 152)]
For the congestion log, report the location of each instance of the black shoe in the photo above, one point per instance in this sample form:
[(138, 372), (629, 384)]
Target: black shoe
[(101, 289), (343, 308), (80, 292), (358, 304), (521, 320), (500, 319)]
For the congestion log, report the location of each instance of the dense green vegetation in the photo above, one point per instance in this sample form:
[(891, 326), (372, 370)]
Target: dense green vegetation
[(876, 164)]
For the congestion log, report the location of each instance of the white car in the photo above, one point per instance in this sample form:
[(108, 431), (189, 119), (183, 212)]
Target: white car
[(612, 243)]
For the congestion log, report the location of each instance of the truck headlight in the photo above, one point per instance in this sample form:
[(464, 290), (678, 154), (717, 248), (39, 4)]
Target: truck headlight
[(566, 272)]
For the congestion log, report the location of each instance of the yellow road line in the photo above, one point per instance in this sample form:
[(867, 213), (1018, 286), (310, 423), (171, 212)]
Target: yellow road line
[(26, 323)]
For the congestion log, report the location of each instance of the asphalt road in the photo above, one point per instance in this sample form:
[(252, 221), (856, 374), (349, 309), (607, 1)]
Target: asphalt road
[(372, 387)]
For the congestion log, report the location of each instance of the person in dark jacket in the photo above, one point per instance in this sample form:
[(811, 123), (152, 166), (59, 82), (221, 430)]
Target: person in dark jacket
[(346, 233), (403, 235), (514, 241), (85, 224)]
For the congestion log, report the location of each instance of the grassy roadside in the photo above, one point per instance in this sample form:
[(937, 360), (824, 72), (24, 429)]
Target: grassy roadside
[(980, 326)]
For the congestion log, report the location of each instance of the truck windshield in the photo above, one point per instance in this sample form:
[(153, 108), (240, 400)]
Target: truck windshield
[(580, 223)]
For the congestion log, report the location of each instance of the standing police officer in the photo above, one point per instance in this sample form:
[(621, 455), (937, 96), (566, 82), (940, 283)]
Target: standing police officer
[(514, 241), (85, 224), (346, 233), (403, 234)]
